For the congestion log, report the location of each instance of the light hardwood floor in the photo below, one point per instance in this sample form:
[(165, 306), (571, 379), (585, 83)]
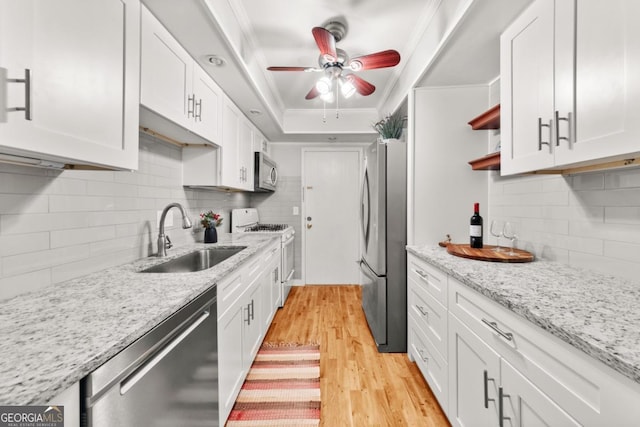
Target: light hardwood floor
[(359, 386)]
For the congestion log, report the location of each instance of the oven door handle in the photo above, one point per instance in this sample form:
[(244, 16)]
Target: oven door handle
[(289, 240)]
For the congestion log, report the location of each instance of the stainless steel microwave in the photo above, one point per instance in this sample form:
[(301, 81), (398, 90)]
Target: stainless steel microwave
[(266, 173)]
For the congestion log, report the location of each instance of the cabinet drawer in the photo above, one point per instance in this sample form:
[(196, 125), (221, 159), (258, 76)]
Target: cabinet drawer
[(429, 277), (431, 364), (430, 316), (549, 363), (270, 253), (229, 290)]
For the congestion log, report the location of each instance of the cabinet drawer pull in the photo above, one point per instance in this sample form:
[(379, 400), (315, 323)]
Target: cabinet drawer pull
[(558, 120), (422, 356), (540, 126), (493, 325), (422, 310), (424, 276)]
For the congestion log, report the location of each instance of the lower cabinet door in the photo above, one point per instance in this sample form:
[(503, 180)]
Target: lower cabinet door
[(523, 404), (231, 369), (474, 378), (253, 325)]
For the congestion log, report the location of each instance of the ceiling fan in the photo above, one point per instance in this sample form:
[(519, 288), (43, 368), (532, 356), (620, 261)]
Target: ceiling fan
[(333, 62)]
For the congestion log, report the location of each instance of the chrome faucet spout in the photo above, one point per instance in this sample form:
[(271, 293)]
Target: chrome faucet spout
[(162, 239)]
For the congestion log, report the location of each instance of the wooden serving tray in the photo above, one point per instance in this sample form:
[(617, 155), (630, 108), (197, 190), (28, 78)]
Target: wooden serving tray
[(487, 253)]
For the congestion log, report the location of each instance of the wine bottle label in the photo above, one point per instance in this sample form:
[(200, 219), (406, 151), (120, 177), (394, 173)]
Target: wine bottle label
[(475, 231)]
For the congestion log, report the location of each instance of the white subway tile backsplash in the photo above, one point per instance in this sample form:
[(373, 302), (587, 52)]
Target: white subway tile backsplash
[(79, 236), (28, 282), (23, 203), (622, 215), (80, 203), (589, 220), (56, 225)]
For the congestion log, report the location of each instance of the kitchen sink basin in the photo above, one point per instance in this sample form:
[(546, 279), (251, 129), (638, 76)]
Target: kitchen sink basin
[(196, 260)]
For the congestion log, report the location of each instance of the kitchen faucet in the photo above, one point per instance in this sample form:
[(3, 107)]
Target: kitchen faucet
[(163, 241)]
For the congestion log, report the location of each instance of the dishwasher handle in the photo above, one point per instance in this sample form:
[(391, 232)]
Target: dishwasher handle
[(147, 365)]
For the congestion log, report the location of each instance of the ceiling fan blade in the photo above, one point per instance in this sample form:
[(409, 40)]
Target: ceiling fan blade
[(326, 43), (362, 86), (384, 59), (290, 68), (312, 93)]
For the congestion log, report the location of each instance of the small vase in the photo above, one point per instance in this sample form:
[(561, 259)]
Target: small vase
[(210, 235)]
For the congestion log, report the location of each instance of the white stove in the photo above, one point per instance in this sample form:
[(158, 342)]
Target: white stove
[(248, 221)]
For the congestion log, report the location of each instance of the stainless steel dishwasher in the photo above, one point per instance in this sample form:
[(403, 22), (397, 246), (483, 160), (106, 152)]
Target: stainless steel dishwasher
[(168, 377)]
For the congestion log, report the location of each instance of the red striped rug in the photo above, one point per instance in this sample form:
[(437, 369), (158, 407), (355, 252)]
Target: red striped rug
[(281, 389)]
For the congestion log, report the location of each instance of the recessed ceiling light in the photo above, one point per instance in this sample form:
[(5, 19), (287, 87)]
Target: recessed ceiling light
[(216, 60), (255, 111)]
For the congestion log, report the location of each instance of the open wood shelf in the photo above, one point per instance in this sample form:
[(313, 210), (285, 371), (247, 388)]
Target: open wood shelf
[(490, 119), (490, 162)]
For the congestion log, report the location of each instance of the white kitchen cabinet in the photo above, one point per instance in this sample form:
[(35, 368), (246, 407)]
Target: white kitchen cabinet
[(236, 160), (175, 87), (83, 97), (569, 93), (473, 395), (245, 311)]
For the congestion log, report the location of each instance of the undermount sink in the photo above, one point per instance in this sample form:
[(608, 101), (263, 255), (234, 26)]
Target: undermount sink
[(195, 261)]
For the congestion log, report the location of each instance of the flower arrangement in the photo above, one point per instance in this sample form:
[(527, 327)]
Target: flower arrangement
[(390, 126), (210, 219)]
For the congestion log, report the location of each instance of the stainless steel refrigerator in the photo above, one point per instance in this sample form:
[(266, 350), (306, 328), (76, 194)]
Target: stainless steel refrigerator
[(383, 218)]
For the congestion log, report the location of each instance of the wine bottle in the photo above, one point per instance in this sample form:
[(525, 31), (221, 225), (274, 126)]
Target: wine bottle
[(475, 230)]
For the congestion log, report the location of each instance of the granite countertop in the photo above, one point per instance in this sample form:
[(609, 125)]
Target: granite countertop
[(595, 313), (54, 337)]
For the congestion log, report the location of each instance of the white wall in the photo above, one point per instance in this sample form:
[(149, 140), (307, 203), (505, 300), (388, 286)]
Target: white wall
[(444, 187), (55, 226)]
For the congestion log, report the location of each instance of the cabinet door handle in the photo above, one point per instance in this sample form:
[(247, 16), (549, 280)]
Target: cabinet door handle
[(248, 319), (27, 94), (252, 310), (191, 99), (198, 110), (493, 325), (540, 126), (502, 418), (486, 389), (422, 310), (422, 356), (558, 120)]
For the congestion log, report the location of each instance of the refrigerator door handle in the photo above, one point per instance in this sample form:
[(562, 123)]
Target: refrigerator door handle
[(365, 221)]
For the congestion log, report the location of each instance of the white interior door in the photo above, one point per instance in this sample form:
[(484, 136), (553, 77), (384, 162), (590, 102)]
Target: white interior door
[(331, 245)]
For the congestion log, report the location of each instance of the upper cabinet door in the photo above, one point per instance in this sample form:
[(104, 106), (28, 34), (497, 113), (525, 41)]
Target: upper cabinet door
[(84, 60), (207, 104), (527, 90), (569, 91), (166, 73), (597, 85)]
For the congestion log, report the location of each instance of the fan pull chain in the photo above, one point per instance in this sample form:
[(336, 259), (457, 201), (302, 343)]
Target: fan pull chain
[(324, 111), (337, 102)]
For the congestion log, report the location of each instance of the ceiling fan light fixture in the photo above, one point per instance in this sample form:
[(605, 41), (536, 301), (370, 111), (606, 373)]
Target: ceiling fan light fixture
[(323, 85), (346, 87), (327, 97)]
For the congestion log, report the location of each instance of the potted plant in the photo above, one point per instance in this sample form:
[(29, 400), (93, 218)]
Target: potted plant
[(210, 221), (390, 127)]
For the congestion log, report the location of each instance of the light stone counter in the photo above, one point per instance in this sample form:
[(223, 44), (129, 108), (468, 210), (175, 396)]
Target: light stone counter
[(53, 338), (597, 314)]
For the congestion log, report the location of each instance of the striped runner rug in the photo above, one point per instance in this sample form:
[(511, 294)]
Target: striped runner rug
[(281, 389)]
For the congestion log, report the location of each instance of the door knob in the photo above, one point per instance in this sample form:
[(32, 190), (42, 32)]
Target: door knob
[(309, 225)]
